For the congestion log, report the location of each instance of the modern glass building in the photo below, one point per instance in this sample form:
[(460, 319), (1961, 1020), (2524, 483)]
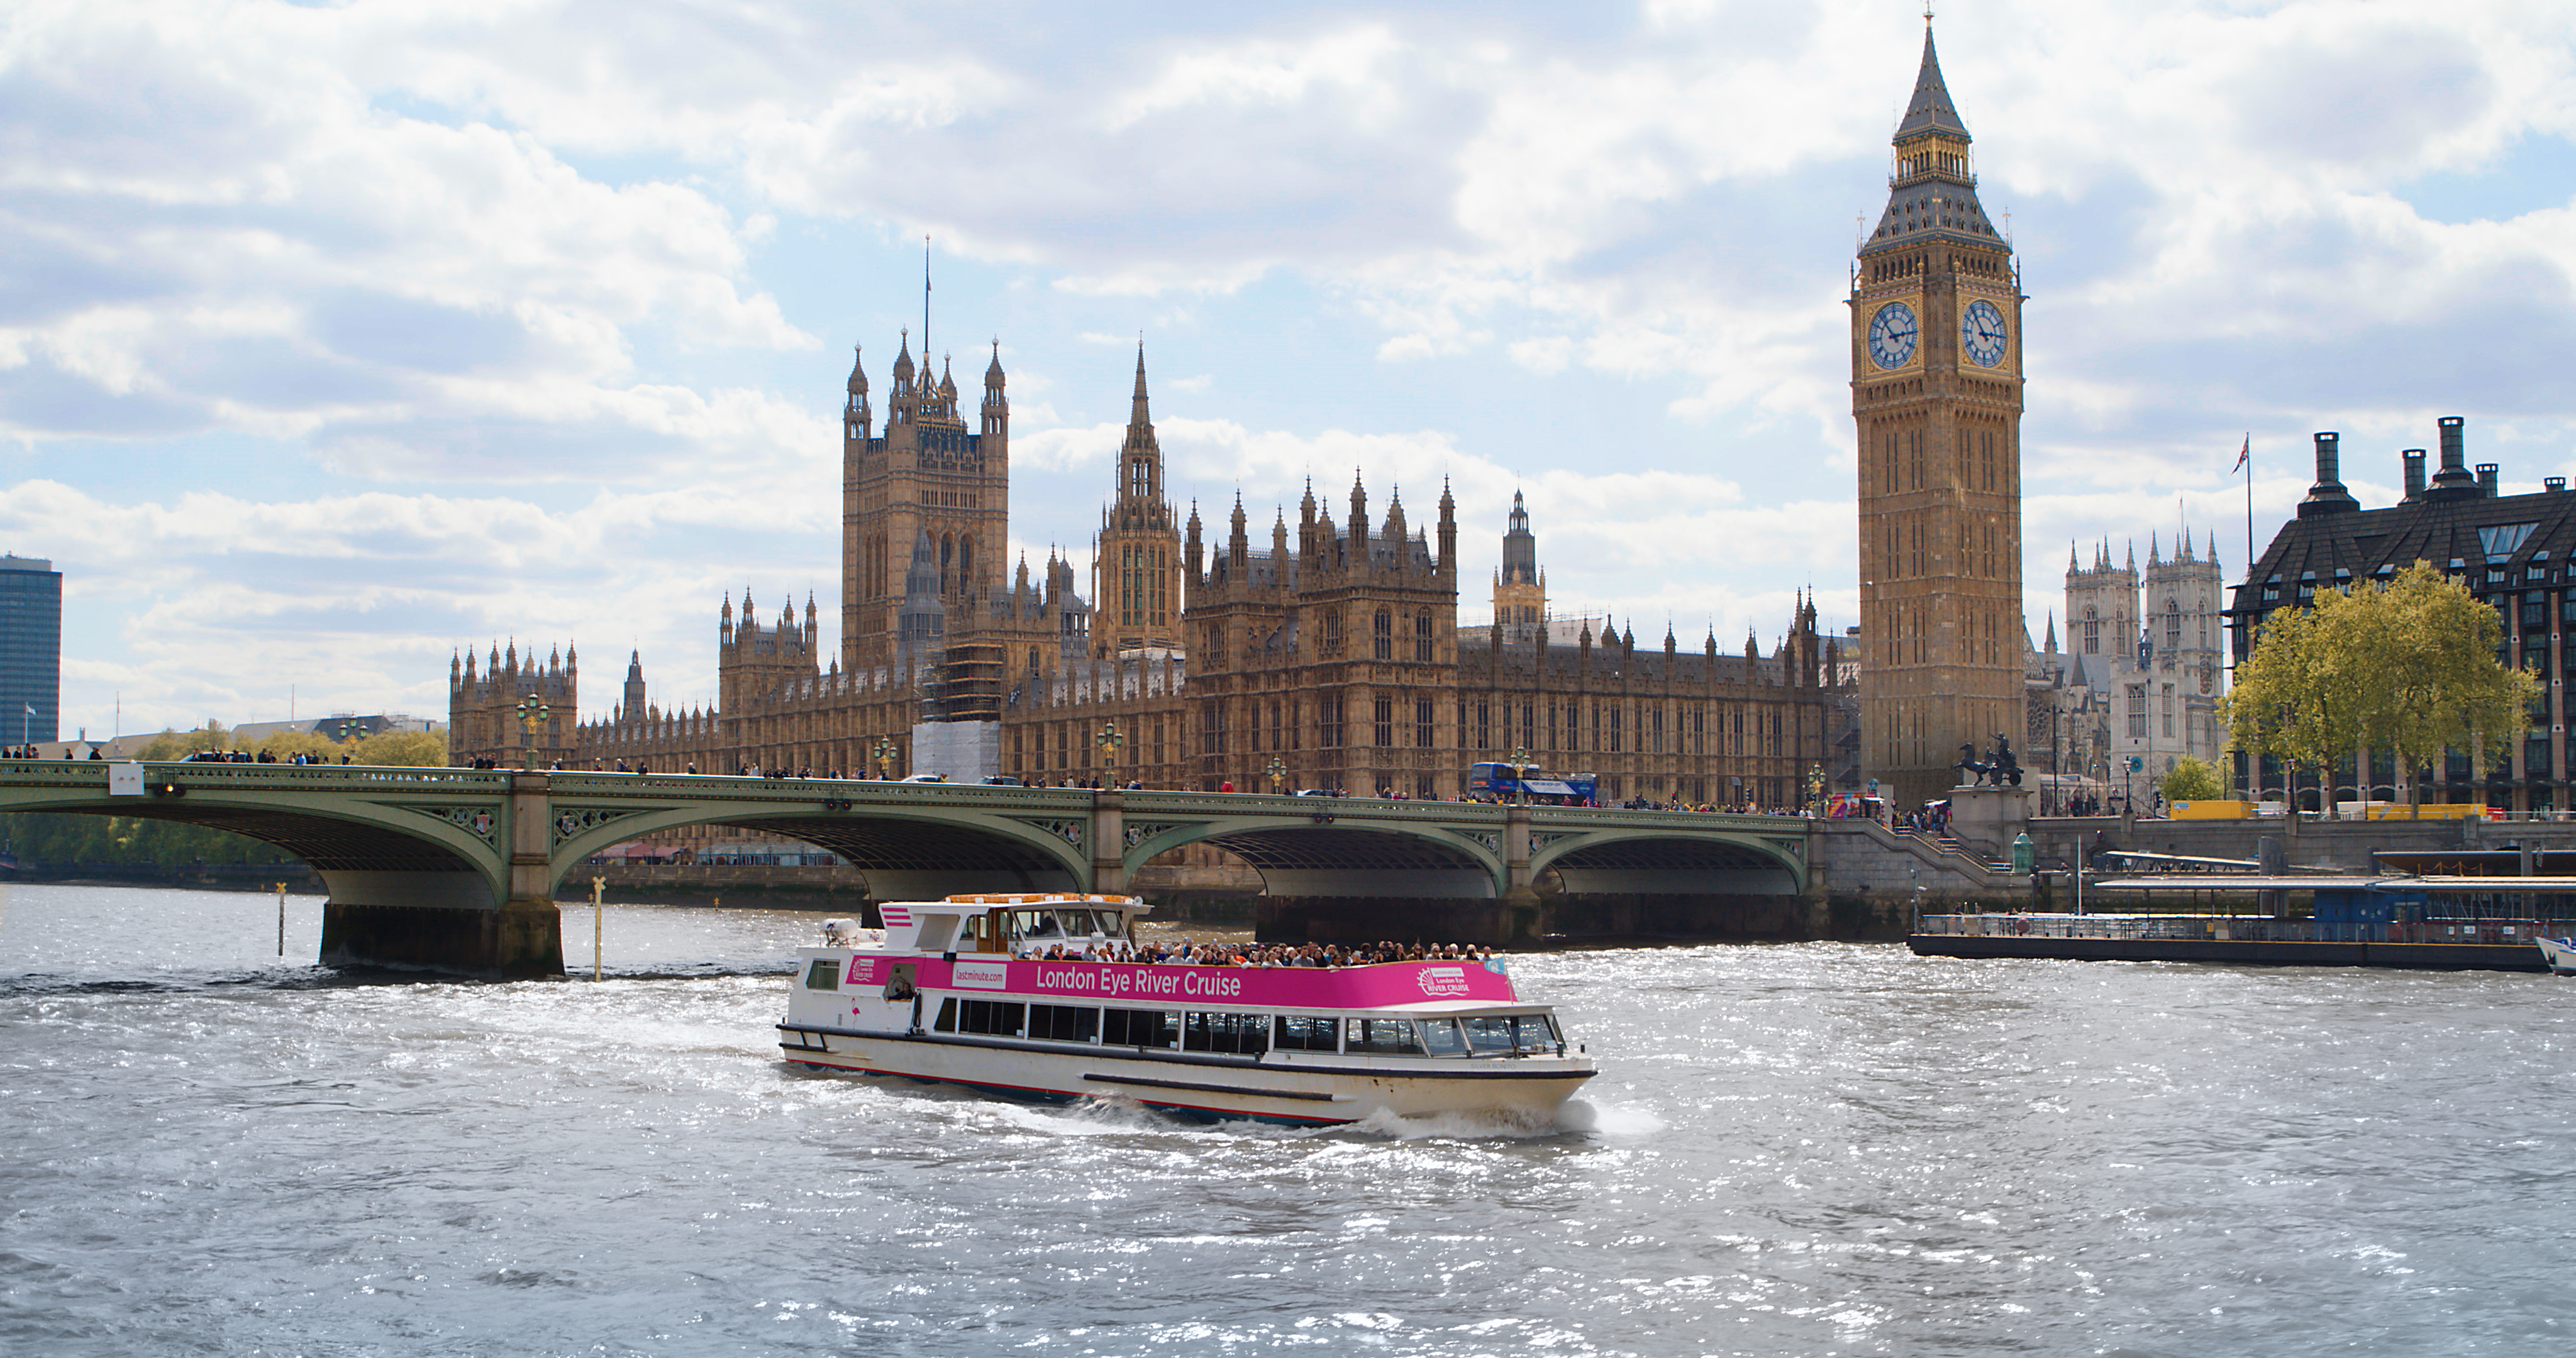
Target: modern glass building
[(31, 649)]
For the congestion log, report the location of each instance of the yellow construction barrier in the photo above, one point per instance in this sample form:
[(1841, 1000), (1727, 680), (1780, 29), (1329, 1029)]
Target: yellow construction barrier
[(2211, 810), (2428, 811)]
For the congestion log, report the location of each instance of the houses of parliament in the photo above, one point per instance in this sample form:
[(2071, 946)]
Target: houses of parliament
[(1323, 651), (1326, 650)]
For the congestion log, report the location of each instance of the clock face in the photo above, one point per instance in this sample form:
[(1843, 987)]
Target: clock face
[(1891, 335), (1981, 333)]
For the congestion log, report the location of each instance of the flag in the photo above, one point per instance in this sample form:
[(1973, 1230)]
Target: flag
[(2242, 455)]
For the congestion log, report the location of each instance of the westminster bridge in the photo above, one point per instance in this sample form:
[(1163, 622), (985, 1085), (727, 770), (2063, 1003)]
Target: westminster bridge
[(457, 869)]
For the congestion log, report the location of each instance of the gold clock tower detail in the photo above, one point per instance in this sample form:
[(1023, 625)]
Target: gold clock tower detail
[(1936, 392)]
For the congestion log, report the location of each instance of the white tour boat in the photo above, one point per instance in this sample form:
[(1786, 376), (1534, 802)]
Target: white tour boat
[(2559, 953), (960, 991)]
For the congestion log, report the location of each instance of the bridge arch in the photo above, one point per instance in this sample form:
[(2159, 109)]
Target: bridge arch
[(1314, 854), (904, 852), (440, 854), (1652, 860)]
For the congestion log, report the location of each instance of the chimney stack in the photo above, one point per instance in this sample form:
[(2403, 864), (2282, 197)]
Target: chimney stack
[(2414, 473), (2488, 474), (2453, 481), (2328, 496)]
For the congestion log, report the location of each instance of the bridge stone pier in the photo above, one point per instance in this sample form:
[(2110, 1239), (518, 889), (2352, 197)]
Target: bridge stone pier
[(455, 870)]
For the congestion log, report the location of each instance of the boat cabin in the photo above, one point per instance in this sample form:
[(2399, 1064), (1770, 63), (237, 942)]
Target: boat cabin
[(1009, 925)]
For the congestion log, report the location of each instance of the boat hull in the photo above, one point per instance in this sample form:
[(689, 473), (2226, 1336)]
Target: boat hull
[(2559, 953), (1307, 1089)]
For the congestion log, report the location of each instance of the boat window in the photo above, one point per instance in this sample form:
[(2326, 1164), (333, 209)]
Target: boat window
[(1001, 1018), (825, 974), (1238, 1033), (1075, 923), (937, 933), (1064, 1022), (1442, 1037), (1140, 1028), (1534, 1033), (1306, 1033), (947, 1020), (1034, 924), (1381, 1037), (1489, 1035)]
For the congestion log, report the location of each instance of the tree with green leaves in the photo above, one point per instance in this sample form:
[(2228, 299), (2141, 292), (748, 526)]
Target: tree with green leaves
[(413, 749), (2407, 666), (2191, 779)]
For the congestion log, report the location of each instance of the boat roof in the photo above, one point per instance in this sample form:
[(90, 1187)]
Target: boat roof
[(2320, 882)]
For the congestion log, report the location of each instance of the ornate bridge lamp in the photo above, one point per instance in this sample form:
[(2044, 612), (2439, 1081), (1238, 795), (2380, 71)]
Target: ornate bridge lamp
[(884, 753), (1816, 789), (1520, 774), (532, 714), (1277, 773), (348, 732), (1110, 741)]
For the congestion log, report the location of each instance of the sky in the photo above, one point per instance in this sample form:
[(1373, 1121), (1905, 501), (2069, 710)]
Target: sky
[(337, 338)]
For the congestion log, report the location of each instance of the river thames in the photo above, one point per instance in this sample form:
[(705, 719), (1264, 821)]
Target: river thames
[(1806, 1149)]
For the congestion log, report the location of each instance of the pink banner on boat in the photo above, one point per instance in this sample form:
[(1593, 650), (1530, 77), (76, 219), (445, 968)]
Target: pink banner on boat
[(1282, 987)]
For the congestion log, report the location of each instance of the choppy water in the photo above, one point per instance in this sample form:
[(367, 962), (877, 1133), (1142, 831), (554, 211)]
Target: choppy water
[(1794, 1150)]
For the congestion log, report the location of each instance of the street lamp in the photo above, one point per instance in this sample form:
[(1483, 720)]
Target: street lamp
[(1109, 741), (1520, 774), (348, 732), (885, 757), (532, 714), (1816, 789), (1278, 773)]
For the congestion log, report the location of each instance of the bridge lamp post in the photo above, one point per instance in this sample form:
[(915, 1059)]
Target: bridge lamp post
[(347, 733), (1816, 788), (1520, 774), (532, 714), (1278, 774), (885, 757), (1109, 740)]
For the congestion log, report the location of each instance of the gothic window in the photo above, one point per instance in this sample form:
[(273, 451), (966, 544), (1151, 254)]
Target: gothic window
[(1332, 634), (1276, 715), (1422, 726), (1383, 633), (1328, 723), (1422, 638), (1914, 460), (1136, 478), (1615, 738), (2168, 710), (2137, 715), (2092, 632), (1383, 717), (947, 549), (1658, 747), (1212, 729), (1529, 727), (965, 564), (1484, 726)]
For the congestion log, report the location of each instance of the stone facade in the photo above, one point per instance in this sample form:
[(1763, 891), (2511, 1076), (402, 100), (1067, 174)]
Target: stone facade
[(1937, 397), (1328, 657), (483, 706)]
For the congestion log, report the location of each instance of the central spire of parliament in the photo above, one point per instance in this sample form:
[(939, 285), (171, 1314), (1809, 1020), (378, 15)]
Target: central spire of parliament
[(1936, 310)]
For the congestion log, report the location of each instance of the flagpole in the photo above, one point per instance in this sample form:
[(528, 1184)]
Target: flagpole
[(2249, 507)]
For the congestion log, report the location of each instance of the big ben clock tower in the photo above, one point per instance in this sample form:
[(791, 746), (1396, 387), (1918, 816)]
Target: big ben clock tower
[(1936, 391)]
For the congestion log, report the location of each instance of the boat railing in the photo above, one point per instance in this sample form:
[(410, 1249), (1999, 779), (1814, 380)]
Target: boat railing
[(2245, 928)]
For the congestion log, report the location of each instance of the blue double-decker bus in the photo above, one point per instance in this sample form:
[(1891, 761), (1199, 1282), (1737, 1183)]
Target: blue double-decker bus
[(1504, 783)]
